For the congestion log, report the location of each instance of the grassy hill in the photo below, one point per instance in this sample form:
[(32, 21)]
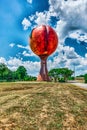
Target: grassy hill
[(42, 106)]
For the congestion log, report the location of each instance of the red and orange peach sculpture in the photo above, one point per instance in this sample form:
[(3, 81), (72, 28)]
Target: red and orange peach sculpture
[(43, 42)]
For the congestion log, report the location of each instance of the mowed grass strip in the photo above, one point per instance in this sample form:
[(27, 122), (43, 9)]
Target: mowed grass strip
[(42, 106)]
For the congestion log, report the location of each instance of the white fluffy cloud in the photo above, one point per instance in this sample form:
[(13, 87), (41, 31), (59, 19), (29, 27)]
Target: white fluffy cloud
[(29, 1), (25, 53), (2, 60), (13, 63), (79, 35), (39, 18), (72, 14), (66, 57), (26, 23), (21, 46), (12, 45), (42, 18)]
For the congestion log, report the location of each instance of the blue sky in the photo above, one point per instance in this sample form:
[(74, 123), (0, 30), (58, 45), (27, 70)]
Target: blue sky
[(69, 20)]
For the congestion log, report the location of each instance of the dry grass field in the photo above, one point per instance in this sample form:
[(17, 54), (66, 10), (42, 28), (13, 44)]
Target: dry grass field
[(42, 106)]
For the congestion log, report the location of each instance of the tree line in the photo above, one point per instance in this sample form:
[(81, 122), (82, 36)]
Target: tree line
[(56, 74), (19, 75), (64, 74)]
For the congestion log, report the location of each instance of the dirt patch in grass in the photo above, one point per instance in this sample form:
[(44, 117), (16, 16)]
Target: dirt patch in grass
[(42, 106)]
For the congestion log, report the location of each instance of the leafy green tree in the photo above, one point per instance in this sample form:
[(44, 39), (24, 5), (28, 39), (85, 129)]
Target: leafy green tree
[(66, 73), (12, 76), (26, 78), (60, 73), (29, 78), (4, 71), (20, 73), (85, 78), (53, 73)]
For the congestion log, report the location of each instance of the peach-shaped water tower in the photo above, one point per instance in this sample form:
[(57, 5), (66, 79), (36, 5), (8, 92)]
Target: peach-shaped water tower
[(43, 42)]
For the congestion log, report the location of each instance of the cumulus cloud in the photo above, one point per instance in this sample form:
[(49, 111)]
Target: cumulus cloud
[(28, 54), (12, 45), (25, 53), (61, 31), (79, 35), (27, 50), (42, 18), (65, 57), (38, 18), (31, 17), (86, 55), (29, 65), (73, 14), (2, 60), (21, 46), (66, 53), (13, 63), (26, 23), (29, 1)]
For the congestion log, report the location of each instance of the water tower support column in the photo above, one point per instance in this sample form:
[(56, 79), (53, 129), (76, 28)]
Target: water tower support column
[(43, 75)]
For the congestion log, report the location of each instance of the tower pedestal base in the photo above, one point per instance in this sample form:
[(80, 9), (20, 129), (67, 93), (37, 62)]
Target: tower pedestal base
[(40, 78), (43, 75)]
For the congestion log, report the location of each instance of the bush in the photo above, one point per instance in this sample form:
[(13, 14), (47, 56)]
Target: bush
[(71, 78), (85, 78), (61, 80)]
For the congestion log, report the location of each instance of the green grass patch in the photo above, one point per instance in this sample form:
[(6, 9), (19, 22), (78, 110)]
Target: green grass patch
[(42, 106)]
